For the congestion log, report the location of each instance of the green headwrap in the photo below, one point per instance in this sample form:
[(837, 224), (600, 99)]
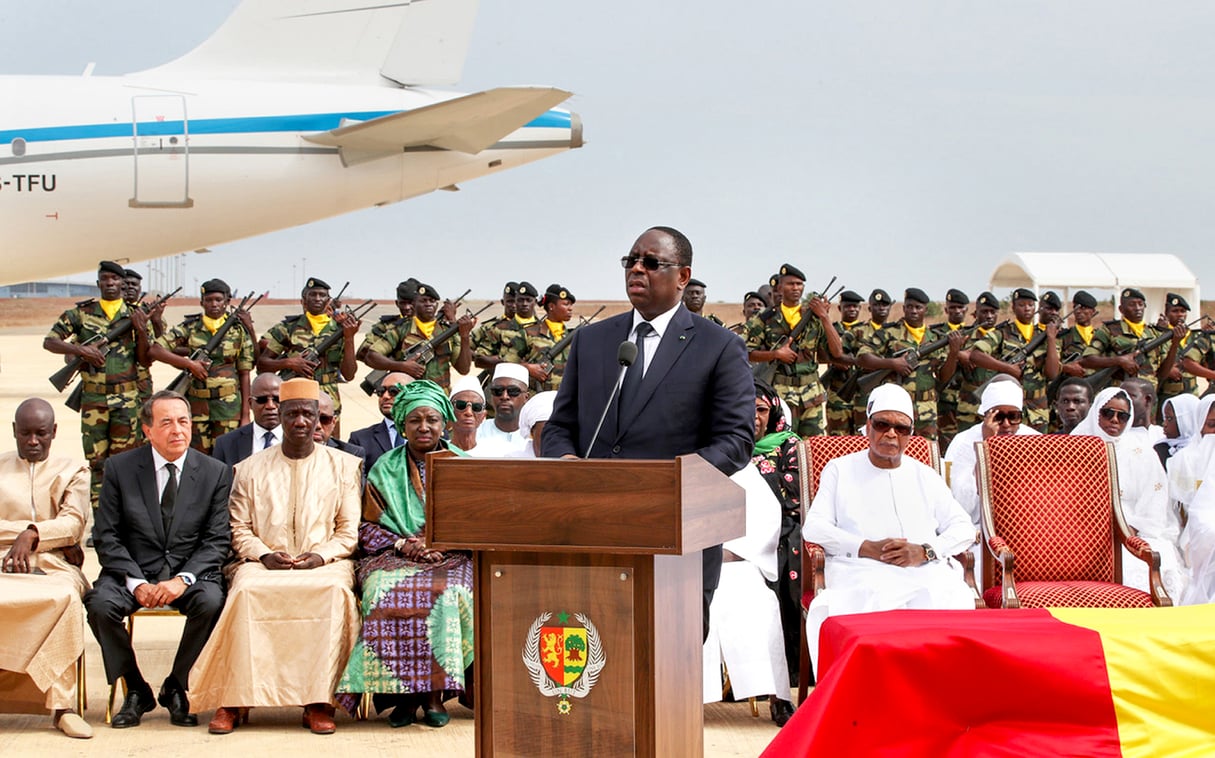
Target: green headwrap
[(416, 394)]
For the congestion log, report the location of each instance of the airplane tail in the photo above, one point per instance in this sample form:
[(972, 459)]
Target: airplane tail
[(411, 42)]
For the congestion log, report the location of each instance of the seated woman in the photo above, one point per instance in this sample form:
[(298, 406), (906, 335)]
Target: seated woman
[(532, 419), (468, 402), (417, 638), (1177, 416), (1144, 491)]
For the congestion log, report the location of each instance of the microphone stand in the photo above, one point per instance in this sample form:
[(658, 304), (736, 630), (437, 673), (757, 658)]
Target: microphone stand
[(625, 355)]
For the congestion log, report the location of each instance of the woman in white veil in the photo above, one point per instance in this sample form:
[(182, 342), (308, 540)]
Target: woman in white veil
[(1187, 466), (1143, 488), (1177, 418)]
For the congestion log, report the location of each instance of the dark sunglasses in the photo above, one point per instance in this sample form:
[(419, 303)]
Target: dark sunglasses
[(392, 391), (1013, 417), (263, 399), (463, 404), (325, 419), (512, 391), (649, 262), (1110, 414), (881, 427)]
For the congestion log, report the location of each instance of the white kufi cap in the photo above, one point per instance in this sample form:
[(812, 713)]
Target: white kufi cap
[(1001, 393), (515, 371), (890, 397)]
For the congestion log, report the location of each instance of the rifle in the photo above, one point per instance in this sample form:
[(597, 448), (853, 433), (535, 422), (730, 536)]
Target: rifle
[(766, 371), (423, 352), (315, 354), (866, 382), (119, 329), (336, 300), (1020, 354), (1099, 379), (376, 376), (549, 353), (182, 382)]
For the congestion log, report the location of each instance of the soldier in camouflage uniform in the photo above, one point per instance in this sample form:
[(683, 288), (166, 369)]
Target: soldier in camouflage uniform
[(694, 300), (987, 309), (109, 405), (132, 293), (1007, 350), (947, 397), (287, 341), (919, 376), (558, 303), (1116, 344), (218, 392), (879, 311), (487, 338), (1193, 352), (842, 374), (406, 292), (796, 377), (753, 303), (388, 351)]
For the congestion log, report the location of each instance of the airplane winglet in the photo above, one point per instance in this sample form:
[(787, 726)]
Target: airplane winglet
[(467, 124)]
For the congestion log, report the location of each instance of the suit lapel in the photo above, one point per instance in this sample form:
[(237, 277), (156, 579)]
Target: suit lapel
[(146, 476), (381, 434), (674, 341)]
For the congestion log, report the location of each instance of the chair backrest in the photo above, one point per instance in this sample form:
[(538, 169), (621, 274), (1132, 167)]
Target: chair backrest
[(1053, 499), (822, 450)]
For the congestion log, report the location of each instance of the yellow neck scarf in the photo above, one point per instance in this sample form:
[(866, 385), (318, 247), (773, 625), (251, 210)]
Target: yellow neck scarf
[(1086, 333), (953, 327), (525, 321), (426, 328), (555, 328), (876, 326), (916, 334), (110, 307), (1136, 329), (317, 322), (1026, 330), (982, 332), (213, 324), (848, 324), (792, 314)]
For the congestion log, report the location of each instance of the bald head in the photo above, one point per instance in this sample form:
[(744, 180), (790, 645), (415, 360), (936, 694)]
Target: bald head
[(33, 428), (326, 419), (264, 403)]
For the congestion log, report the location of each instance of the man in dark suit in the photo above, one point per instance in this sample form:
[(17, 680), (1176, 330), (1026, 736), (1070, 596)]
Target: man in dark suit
[(381, 436), (690, 389), (264, 432), (161, 534)]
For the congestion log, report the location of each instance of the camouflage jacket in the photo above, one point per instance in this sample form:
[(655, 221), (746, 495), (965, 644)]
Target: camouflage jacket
[(1003, 341), (1196, 347), (921, 384), (768, 329), (232, 356), (378, 333), (293, 335), (1116, 338), (87, 320), (539, 338), (406, 334)]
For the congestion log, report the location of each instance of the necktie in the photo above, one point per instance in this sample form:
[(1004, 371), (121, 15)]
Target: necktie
[(632, 377), (269, 438), (168, 498)]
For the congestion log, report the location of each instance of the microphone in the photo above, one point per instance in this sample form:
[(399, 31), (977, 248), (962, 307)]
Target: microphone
[(625, 355)]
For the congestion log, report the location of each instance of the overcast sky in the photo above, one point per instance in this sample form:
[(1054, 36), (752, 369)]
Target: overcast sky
[(892, 144)]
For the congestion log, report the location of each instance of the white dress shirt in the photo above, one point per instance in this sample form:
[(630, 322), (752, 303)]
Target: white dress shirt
[(660, 324), (259, 437), (162, 478)]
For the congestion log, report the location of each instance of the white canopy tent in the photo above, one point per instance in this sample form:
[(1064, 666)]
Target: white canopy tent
[(1154, 274)]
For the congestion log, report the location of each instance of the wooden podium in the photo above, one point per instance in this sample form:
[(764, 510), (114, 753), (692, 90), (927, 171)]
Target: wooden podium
[(588, 597)]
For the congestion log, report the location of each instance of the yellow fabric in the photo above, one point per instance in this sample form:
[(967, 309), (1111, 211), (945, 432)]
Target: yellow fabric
[(555, 328), (110, 307), (982, 332), (876, 326), (916, 334), (317, 322), (213, 324), (1135, 329), (792, 314), (1086, 333), (1026, 330), (525, 321), (1160, 670), (848, 324), (425, 328), (953, 327)]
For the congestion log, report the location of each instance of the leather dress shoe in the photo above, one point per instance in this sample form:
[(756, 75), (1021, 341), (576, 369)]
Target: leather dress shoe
[(318, 718), (781, 710), (227, 719), (134, 705), (178, 705)]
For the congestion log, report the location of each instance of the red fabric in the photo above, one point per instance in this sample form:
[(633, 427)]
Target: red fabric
[(955, 683), (1072, 595)]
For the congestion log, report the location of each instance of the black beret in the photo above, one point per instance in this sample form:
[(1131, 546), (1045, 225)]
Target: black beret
[(987, 299), (774, 279), (1172, 300), (510, 288), (1131, 293), (313, 283), (790, 270), (527, 289), (1083, 299), (691, 283), (131, 273), (111, 267), (848, 296), (408, 289), (916, 294), (557, 292), (753, 294), (425, 290), (879, 296), (1021, 293), (215, 285), (1051, 298), (957, 297)]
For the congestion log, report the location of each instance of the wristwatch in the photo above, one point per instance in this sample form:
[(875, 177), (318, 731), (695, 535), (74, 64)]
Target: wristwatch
[(930, 555)]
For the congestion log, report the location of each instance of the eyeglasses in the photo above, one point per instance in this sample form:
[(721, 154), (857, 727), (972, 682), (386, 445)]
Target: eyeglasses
[(392, 391), (650, 262), (1109, 414), (1012, 417), (512, 391), (464, 404), (325, 419), (881, 427), (263, 399)]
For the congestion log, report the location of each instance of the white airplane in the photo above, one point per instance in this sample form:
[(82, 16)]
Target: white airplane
[(293, 111)]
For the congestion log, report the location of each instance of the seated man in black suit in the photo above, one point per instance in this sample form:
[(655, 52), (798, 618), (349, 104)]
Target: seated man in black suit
[(264, 432), (161, 534), (382, 436)]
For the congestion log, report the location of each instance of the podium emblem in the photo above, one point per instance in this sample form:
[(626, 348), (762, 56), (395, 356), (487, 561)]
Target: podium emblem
[(563, 659)]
